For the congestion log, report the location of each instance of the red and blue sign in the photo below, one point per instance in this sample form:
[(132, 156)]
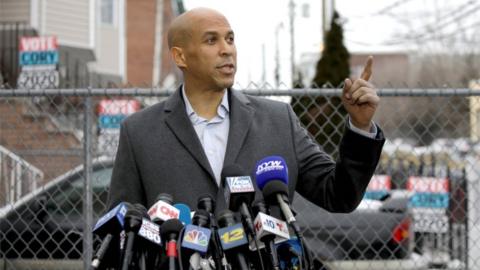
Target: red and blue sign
[(35, 51), (379, 186), (113, 111), (430, 192)]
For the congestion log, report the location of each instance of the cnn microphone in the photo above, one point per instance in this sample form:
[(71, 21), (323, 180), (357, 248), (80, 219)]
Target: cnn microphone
[(170, 230), (233, 239), (163, 210), (133, 223), (109, 227)]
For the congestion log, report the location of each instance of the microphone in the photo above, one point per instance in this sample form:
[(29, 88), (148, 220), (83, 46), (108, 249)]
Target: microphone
[(272, 178), (197, 237), (150, 233), (108, 226), (266, 226), (133, 223), (185, 213), (239, 192), (233, 239), (290, 254), (269, 230), (163, 210), (207, 203), (170, 230)]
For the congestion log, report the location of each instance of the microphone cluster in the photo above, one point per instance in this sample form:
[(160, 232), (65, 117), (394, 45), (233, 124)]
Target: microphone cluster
[(252, 233)]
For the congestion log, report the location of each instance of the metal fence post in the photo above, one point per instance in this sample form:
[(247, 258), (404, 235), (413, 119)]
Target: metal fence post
[(465, 233), (87, 199)]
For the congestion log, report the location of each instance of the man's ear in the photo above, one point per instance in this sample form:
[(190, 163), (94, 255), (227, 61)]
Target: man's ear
[(178, 57)]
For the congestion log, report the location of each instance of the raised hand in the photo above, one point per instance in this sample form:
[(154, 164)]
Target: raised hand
[(360, 98)]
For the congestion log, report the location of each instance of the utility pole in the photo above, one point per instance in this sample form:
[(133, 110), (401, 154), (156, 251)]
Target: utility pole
[(264, 67), (277, 55), (291, 6), (327, 11)]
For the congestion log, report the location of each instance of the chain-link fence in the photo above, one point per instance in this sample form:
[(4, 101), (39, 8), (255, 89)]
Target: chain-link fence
[(420, 210)]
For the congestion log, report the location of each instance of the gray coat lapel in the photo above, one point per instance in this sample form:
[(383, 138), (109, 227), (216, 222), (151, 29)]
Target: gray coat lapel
[(178, 121), (241, 116)]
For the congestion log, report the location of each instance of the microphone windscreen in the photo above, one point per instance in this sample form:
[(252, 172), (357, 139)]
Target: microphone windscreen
[(206, 202), (165, 197), (141, 209), (133, 219), (271, 168), (232, 170), (171, 226), (272, 188), (259, 206), (201, 218), (226, 218), (185, 213)]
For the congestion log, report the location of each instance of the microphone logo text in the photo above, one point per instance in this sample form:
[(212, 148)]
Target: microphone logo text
[(271, 165)]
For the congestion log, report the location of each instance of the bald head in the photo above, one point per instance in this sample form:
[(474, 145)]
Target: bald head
[(180, 30)]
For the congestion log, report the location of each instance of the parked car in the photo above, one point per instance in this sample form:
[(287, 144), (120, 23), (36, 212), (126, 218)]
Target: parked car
[(48, 223), (376, 230)]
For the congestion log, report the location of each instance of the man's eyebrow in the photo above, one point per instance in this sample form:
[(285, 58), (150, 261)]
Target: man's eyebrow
[(215, 33)]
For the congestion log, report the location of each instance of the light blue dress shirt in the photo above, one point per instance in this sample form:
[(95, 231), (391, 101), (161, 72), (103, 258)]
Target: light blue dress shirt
[(213, 133)]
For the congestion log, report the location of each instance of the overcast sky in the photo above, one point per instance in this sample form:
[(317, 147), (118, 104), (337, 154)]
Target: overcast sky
[(370, 26)]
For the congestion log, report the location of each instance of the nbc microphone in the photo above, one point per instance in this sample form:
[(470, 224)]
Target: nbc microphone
[(197, 238)]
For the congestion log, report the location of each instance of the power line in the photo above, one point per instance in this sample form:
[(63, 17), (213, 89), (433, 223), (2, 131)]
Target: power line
[(428, 29), (392, 6), (453, 20), (407, 21), (439, 37)]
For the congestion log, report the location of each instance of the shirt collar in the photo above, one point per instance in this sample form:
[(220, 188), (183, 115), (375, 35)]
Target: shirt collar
[(222, 110)]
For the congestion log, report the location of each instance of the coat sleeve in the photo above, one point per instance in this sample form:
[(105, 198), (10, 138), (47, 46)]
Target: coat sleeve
[(126, 184), (335, 186)]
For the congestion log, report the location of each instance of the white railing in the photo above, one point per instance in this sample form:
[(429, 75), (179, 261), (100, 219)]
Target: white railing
[(17, 177)]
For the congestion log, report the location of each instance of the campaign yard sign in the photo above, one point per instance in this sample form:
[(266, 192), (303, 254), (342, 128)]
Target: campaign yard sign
[(111, 113), (38, 59), (38, 51), (429, 203), (379, 186)]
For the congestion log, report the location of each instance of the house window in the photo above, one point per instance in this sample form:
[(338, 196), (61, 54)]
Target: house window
[(306, 10), (106, 11)]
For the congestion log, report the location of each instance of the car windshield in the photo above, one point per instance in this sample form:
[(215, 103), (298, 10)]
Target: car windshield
[(68, 198)]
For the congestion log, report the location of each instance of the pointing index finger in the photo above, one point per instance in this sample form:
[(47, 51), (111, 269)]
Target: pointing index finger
[(367, 69)]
